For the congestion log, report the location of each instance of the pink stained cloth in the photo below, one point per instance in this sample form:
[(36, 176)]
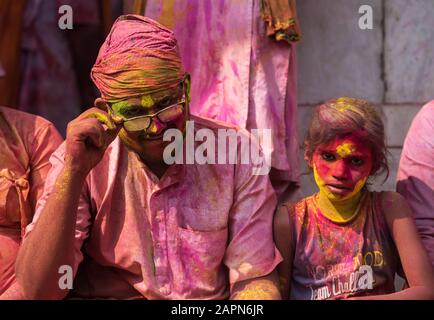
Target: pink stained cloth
[(48, 79), (26, 144), (337, 261), (239, 74), (185, 236), (415, 178), (138, 57)]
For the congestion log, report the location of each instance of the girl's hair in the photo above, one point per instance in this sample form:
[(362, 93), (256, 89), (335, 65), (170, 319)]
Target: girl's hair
[(342, 116)]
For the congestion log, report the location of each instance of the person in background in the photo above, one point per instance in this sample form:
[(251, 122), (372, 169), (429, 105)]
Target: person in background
[(242, 58), (26, 144), (415, 178)]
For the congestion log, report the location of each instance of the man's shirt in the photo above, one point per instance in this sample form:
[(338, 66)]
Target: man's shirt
[(188, 235)]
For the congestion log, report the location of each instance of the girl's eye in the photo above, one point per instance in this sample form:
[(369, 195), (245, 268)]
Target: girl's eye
[(357, 161), (328, 156)]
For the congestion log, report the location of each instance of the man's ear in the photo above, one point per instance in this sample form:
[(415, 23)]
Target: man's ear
[(101, 104)]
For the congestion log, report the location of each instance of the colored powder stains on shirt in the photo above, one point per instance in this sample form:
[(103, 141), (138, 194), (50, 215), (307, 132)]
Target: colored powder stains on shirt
[(168, 14), (333, 261), (245, 268), (176, 237), (237, 71)]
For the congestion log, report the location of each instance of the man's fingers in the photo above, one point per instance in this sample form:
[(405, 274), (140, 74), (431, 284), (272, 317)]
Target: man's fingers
[(91, 132), (101, 117), (95, 128), (111, 134)]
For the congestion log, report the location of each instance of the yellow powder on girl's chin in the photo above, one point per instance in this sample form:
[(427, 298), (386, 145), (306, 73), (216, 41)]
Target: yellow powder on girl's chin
[(323, 188), (358, 187), (345, 149), (321, 185)]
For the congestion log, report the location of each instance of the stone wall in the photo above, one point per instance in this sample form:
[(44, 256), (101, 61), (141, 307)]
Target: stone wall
[(391, 65)]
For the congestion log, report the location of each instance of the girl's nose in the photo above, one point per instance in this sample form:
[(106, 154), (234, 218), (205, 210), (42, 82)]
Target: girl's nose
[(340, 170)]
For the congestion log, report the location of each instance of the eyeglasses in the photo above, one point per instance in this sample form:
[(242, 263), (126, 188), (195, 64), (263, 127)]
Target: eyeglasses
[(166, 115)]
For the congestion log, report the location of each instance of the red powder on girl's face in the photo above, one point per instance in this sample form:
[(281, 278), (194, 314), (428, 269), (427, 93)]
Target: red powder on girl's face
[(342, 163)]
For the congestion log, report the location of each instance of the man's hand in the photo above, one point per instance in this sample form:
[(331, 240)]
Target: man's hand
[(87, 138)]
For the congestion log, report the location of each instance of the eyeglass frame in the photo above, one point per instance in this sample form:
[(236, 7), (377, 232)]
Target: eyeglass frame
[(152, 116)]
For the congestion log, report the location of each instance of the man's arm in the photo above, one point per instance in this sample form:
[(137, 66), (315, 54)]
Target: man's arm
[(284, 242), (51, 243)]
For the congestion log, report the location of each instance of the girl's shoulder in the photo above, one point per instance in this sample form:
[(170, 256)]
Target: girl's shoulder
[(299, 208)]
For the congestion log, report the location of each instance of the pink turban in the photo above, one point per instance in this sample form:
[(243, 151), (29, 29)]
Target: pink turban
[(138, 57)]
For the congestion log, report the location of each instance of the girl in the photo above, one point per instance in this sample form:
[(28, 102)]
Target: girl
[(346, 241)]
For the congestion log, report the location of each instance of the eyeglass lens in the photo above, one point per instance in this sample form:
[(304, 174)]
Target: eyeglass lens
[(164, 116)]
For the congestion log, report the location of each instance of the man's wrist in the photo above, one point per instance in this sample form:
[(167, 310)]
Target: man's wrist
[(75, 170)]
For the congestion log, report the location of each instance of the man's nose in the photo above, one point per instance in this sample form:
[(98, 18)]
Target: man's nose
[(156, 127), (340, 170)]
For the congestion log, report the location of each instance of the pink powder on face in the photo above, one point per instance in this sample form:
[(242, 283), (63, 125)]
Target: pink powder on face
[(342, 169)]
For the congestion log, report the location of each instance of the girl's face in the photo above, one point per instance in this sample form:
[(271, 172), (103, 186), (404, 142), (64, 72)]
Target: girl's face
[(342, 166)]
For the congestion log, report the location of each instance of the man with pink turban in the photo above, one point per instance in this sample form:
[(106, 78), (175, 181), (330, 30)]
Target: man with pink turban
[(123, 221)]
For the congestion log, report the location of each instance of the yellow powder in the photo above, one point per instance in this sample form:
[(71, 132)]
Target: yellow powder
[(345, 149), (245, 267), (147, 101), (261, 290)]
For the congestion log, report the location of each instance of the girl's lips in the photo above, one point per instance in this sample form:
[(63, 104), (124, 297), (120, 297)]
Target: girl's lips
[(338, 188)]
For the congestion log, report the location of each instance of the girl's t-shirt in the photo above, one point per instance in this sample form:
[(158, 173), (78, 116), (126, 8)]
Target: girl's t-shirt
[(339, 260)]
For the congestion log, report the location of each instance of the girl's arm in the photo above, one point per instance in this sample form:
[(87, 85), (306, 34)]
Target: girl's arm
[(417, 267), (283, 239)]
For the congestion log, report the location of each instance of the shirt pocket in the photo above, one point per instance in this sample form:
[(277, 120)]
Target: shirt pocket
[(201, 256)]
